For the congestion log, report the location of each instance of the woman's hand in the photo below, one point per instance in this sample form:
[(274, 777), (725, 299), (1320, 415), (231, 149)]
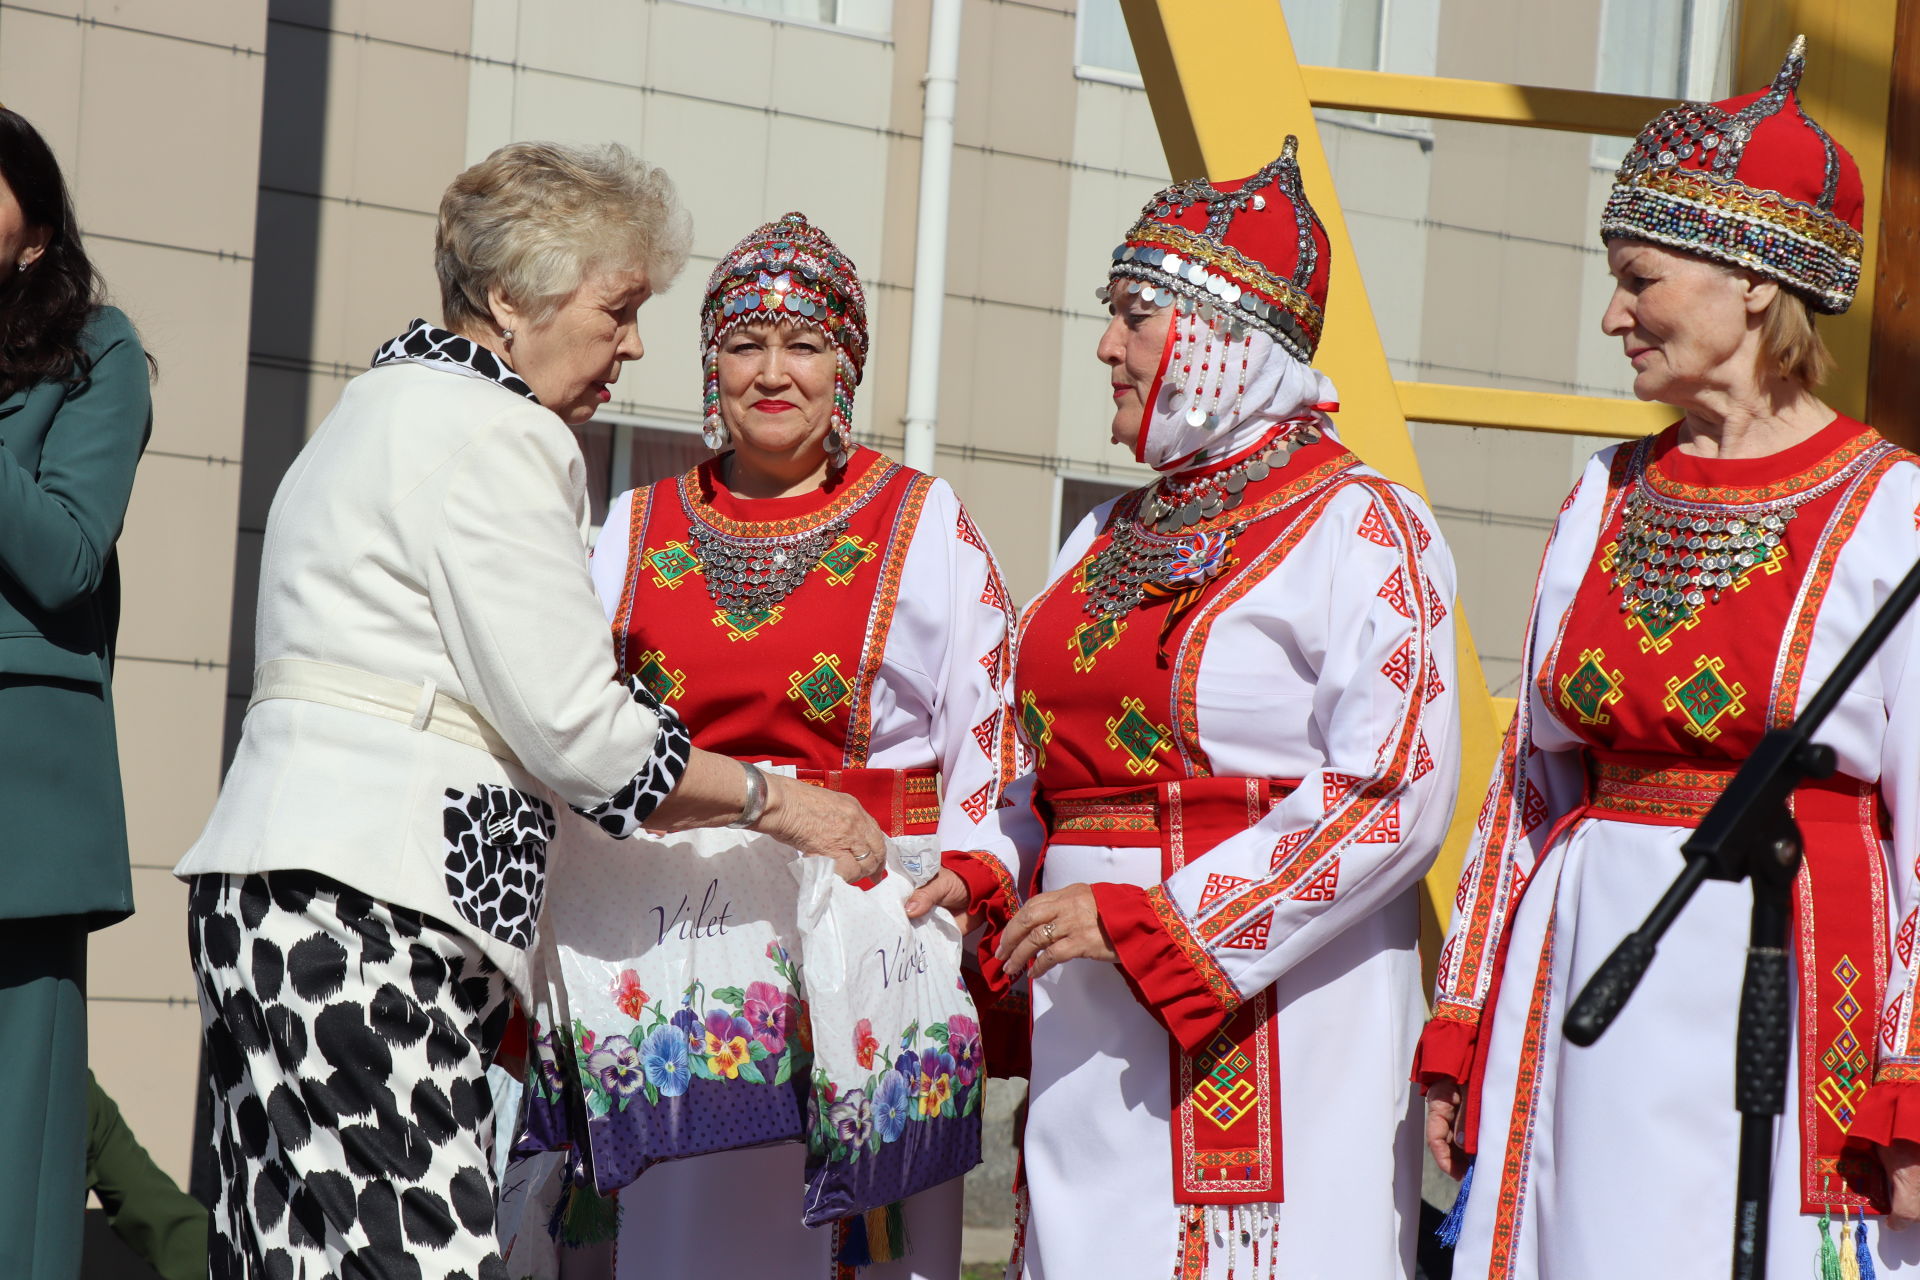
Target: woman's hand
[(1443, 1117), (1902, 1161), (945, 890), (825, 824), (1054, 927)]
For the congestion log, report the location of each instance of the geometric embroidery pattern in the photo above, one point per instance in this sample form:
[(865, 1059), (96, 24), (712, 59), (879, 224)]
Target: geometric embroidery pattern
[(1658, 631), (1251, 938), (744, 624), (1092, 638), (1323, 886), (1140, 738), (1374, 529), (1591, 689), (1705, 697), (843, 559), (671, 564), (1400, 667), (975, 805), (1384, 829), (663, 683), (1845, 1060), (1220, 886), (1287, 846), (1038, 725), (1394, 592), (1225, 1091), (822, 689), (985, 733)]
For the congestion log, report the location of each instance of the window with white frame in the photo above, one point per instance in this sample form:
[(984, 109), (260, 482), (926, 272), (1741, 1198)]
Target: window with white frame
[(623, 453), (1366, 35), (1680, 49), (1075, 497), (872, 16)]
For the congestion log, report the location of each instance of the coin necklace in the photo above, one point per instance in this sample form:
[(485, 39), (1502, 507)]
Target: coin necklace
[(1151, 552), (749, 575), (1173, 505), (1677, 557)]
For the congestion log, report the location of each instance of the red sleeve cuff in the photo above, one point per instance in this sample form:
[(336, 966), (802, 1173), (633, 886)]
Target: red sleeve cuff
[(1889, 1113), (1170, 973), (1446, 1049), (990, 890)]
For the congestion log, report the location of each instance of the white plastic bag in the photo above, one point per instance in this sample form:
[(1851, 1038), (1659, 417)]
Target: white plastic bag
[(897, 1070), (671, 1023)]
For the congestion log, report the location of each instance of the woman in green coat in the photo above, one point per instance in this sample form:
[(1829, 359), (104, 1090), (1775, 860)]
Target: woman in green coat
[(74, 417)]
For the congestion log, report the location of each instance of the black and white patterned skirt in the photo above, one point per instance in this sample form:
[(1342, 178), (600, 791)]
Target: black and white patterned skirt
[(347, 1042)]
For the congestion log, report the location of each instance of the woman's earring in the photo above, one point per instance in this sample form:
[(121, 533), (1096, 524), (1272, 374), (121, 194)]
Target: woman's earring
[(506, 336), (715, 433), (22, 265)]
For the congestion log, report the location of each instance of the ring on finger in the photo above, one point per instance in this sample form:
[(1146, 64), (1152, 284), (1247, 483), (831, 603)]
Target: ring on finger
[(1047, 931), (864, 858)]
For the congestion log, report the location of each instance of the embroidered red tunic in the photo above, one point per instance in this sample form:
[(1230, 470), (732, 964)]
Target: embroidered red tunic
[(1258, 865), (1645, 716)]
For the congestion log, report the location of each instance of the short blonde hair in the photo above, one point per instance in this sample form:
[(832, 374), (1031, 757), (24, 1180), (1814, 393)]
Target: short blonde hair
[(535, 219), (1790, 346)]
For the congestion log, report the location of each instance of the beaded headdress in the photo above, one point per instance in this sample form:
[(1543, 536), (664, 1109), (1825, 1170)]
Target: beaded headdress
[(1752, 182), (1251, 253), (1245, 267), (787, 272)]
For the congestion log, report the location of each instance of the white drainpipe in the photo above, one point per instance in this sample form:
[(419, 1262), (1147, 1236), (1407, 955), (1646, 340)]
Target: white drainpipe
[(930, 240)]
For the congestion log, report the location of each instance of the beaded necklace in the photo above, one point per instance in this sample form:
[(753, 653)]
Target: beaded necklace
[(1152, 556), (1677, 556)]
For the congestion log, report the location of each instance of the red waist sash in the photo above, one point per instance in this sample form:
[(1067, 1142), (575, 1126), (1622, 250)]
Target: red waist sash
[(1841, 948), (1226, 1098), (904, 802)]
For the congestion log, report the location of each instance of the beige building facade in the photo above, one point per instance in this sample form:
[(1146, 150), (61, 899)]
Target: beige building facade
[(258, 181)]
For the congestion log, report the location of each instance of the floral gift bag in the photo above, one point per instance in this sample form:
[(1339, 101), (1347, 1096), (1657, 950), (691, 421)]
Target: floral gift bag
[(670, 1021), (897, 1068)]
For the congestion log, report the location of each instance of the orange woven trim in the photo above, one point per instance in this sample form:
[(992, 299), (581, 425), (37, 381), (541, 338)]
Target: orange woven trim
[(1218, 985), (1680, 793), (858, 493), (1131, 811), (1898, 1073), (1847, 455), (1449, 1011), (886, 598)]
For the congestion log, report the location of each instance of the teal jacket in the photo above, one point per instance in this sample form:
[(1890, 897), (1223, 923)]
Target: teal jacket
[(67, 458)]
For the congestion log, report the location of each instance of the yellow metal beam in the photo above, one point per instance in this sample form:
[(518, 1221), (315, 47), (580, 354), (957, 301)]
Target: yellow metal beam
[(1223, 109), (1532, 410), (1480, 101), (1849, 75)]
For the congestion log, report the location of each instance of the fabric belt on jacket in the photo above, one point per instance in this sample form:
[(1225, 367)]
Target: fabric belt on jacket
[(421, 707), (1678, 790), (904, 802)]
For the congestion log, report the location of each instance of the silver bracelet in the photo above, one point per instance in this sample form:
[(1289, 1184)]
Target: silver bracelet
[(756, 801)]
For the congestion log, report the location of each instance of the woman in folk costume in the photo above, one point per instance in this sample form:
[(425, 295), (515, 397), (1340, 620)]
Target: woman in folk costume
[(805, 601), (1697, 589), (1239, 691)]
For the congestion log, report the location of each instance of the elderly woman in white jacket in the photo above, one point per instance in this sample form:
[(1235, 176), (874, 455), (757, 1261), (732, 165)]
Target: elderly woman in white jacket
[(435, 677)]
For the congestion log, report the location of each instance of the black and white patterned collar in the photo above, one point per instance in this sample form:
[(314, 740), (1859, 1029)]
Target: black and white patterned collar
[(431, 345)]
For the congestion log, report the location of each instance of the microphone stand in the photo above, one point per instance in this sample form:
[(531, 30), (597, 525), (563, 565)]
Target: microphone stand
[(1749, 834)]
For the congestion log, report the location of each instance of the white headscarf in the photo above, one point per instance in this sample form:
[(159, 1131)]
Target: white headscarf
[(1278, 388)]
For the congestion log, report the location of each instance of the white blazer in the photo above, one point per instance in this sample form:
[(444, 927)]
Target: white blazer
[(430, 539)]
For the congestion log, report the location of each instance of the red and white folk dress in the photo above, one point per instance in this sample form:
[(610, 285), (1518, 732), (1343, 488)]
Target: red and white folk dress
[(881, 674), (1620, 1159), (1253, 779)]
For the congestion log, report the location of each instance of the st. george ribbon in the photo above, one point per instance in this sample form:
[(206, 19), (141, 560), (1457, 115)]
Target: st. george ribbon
[(1749, 834)]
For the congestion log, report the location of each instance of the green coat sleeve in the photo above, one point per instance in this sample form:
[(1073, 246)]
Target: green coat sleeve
[(158, 1221), (58, 526)]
